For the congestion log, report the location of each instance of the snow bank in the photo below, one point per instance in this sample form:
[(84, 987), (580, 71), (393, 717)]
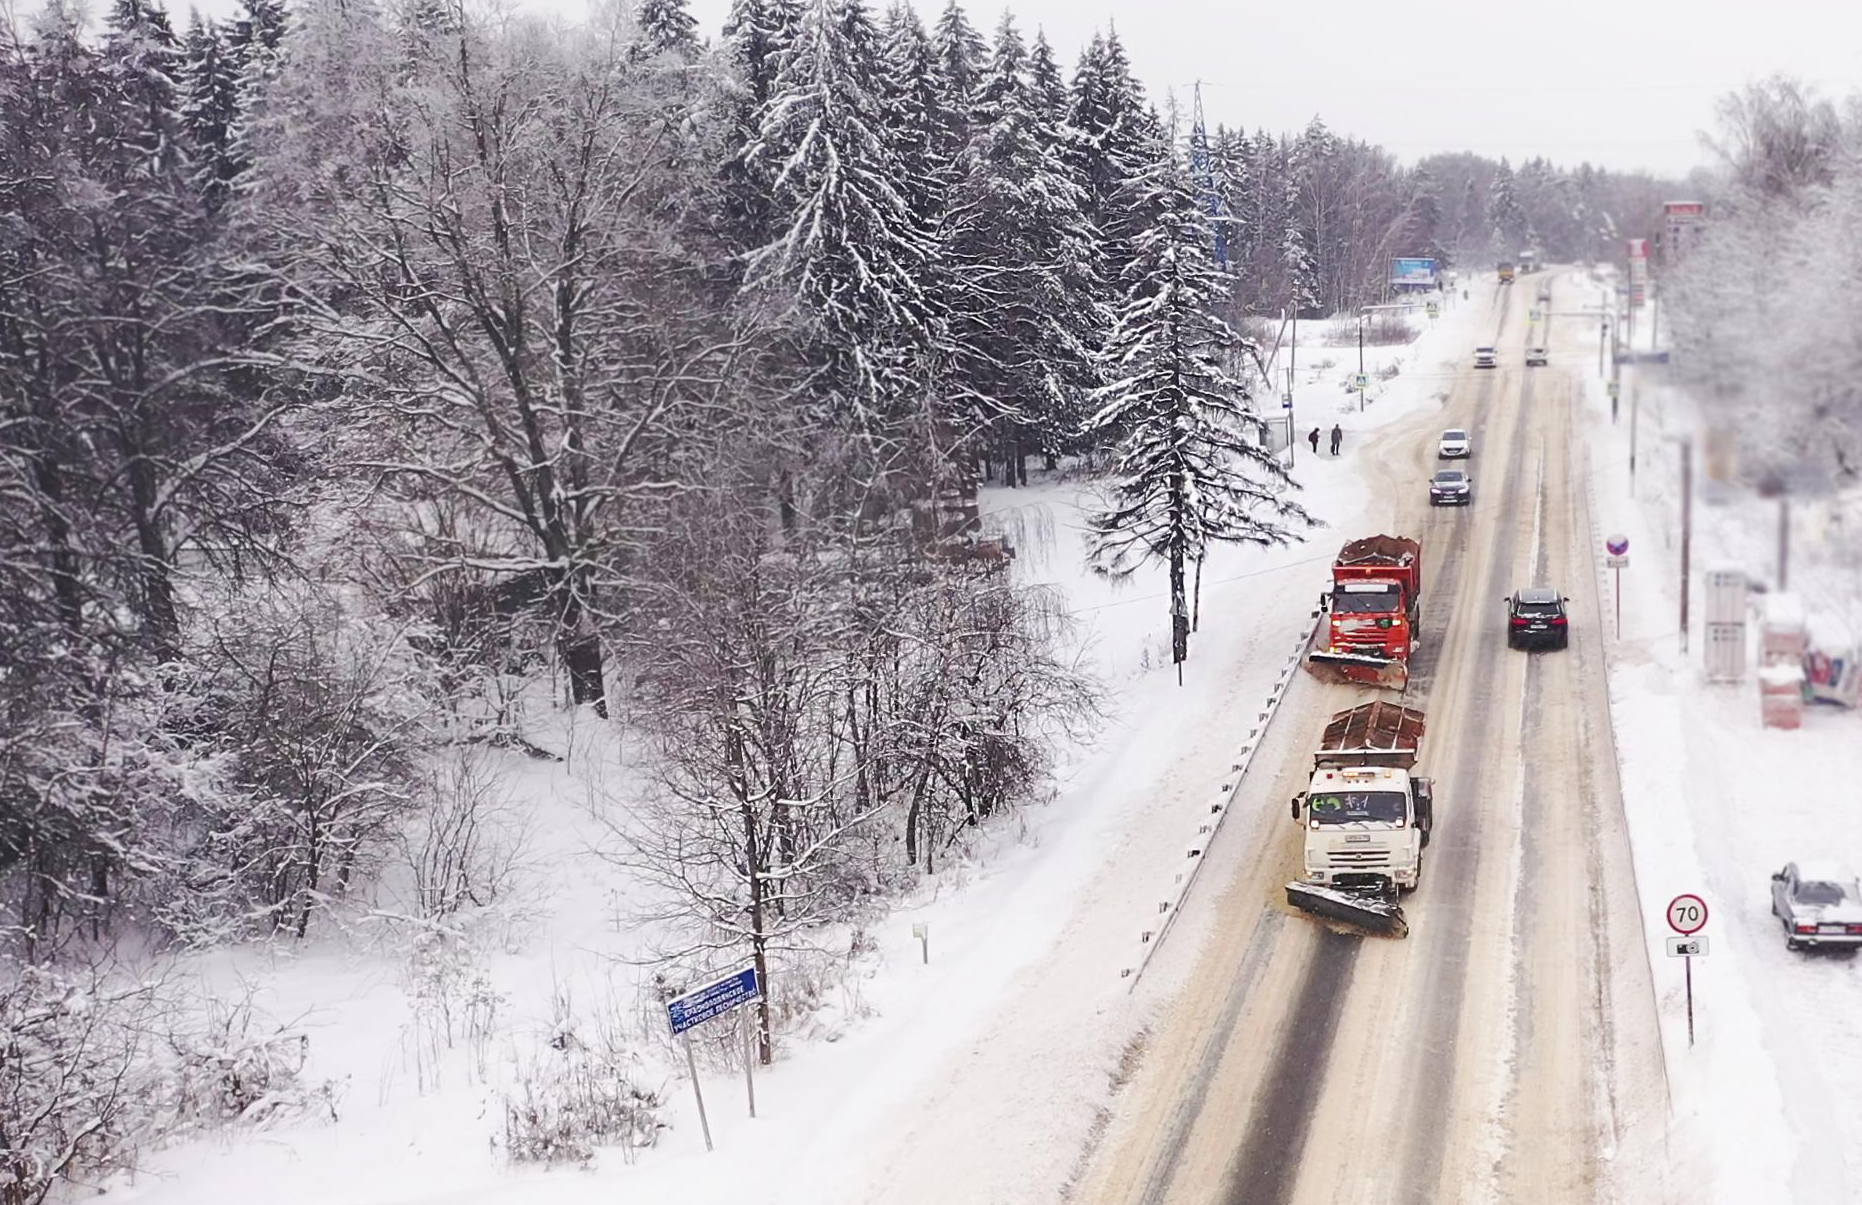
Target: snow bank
[(1767, 1105)]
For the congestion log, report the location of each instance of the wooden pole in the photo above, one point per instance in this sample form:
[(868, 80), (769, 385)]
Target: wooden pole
[(1687, 526)]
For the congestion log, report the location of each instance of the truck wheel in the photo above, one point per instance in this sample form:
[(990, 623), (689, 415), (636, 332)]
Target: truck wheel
[(1402, 890)]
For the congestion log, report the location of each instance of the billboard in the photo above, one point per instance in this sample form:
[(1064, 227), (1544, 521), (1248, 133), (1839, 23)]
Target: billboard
[(1685, 220), (1413, 273), (1638, 271)]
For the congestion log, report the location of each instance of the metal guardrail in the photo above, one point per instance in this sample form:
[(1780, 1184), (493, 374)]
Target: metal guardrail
[(1210, 822)]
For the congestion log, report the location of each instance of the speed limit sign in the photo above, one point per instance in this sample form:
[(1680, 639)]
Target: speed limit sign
[(1687, 914)]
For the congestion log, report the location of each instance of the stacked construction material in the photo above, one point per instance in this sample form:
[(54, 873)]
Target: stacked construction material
[(1726, 624), (1782, 641)]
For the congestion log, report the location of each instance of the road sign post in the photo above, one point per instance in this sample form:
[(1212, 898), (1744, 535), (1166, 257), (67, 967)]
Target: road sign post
[(1687, 915), (1617, 548), (686, 1013)]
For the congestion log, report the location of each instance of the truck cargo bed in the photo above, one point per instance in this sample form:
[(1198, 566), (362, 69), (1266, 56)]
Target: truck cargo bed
[(1372, 734)]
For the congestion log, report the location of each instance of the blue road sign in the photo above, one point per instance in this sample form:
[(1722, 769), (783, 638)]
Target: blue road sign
[(711, 1000)]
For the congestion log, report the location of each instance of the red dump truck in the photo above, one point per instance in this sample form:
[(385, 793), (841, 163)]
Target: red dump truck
[(1372, 609)]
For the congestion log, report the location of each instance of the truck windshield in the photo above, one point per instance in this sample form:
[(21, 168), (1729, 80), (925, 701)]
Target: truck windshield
[(1357, 807), (1365, 602)]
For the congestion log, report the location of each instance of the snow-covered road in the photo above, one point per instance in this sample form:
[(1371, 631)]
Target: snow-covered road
[(1507, 1050)]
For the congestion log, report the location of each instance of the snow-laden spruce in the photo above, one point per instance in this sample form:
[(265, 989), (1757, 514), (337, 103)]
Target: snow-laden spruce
[(845, 246), (1025, 306), (1192, 466)]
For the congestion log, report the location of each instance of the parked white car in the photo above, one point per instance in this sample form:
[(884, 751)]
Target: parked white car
[(1819, 904), (1455, 445), (1486, 357)]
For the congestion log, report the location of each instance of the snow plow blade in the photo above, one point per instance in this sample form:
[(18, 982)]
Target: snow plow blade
[(1363, 910), (1366, 669)]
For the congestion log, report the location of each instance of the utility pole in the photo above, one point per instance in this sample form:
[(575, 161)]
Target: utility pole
[(1603, 333), (1361, 360), (1293, 353), (1784, 542), (1634, 402), (1687, 526)]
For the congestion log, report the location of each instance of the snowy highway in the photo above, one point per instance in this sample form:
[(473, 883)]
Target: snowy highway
[(1508, 1049)]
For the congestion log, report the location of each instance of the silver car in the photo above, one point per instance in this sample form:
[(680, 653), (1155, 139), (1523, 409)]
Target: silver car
[(1819, 904)]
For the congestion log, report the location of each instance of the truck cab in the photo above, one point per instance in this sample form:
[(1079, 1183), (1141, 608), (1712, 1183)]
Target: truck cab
[(1506, 272), (1365, 817), (1364, 827)]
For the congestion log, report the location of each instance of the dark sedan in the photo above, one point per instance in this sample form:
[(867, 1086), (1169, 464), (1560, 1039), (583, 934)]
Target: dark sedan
[(1451, 487), (1536, 618)]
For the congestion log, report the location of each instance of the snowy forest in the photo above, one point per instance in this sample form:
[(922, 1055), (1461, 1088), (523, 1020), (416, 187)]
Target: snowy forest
[(1762, 309), (382, 383)]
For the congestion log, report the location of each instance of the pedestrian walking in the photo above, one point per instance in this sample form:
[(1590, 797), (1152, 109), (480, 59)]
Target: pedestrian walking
[(1338, 437), (1314, 437)]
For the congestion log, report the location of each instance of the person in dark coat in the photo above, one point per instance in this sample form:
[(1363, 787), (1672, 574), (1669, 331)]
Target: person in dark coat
[(1314, 437), (1338, 437)]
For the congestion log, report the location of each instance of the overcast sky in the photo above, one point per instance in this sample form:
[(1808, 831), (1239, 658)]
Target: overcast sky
[(1622, 83)]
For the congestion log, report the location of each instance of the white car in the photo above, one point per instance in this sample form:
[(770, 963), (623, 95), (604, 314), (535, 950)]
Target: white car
[(1819, 904), (1536, 357), (1486, 357), (1455, 445)]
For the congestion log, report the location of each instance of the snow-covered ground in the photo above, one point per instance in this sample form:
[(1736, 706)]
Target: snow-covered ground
[(977, 1077), (1768, 1101)]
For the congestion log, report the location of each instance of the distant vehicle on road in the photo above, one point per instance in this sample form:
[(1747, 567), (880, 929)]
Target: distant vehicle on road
[(1486, 357), (1535, 618), (1451, 487), (1528, 261), (1507, 272), (1545, 293), (1819, 904), (1536, 357), (1455, 445)]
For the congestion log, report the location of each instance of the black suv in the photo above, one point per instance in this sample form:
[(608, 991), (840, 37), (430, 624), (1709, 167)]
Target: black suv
[(1536, 618)]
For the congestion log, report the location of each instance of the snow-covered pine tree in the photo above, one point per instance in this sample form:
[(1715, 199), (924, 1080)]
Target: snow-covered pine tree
[(754, 36), (145, 62), (1192, 468), (1298, 263), (210, 109), (1081, 294), (667, 26), (844, 243), (911, 112), (1420, 230), (1314, 199), (1471, 232), (253, 44), (1115, 128), (1023, 284), (1264, 215), (1503, 209), (958, 54), (1051, 101)]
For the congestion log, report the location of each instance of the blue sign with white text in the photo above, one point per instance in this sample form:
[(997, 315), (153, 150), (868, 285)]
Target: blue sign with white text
[(711, 1000), (1416, 273)]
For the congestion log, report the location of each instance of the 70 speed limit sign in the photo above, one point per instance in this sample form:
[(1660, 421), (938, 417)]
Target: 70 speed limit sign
[(1687, 914)]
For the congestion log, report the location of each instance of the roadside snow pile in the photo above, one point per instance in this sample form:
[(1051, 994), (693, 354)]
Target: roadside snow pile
[(1767, 1103)]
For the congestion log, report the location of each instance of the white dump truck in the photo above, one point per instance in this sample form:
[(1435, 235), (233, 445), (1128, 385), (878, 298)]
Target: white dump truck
[(1365, 818)]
